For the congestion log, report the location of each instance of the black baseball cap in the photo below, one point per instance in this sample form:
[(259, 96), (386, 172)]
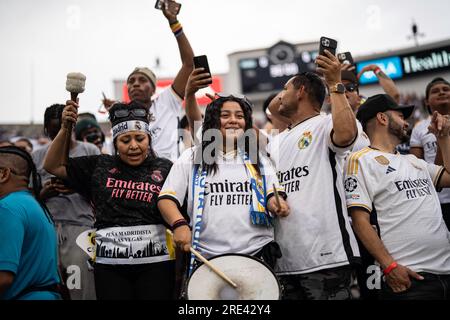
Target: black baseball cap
[(381, 103)]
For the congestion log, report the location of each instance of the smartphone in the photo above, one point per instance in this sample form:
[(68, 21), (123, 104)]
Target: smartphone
[(346, 58), (202, 62), (160, 5), (329, 44)]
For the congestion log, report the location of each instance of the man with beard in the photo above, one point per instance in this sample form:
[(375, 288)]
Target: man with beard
[(398, 194), (423, 143)]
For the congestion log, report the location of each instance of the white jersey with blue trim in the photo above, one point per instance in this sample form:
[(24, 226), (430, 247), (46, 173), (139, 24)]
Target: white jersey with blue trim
[(226, 223)]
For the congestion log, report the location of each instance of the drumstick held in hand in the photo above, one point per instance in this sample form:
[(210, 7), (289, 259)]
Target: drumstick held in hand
[(75, 85), (210, 265), (277, 197)]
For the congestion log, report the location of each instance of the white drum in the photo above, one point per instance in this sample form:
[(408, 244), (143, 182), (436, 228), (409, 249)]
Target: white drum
[(254, 279)]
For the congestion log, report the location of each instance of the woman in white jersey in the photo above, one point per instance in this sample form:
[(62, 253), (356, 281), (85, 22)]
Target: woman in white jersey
[(228, 186)]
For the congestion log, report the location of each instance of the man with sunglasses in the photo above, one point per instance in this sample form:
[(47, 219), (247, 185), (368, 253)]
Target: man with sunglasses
[(166, 109)]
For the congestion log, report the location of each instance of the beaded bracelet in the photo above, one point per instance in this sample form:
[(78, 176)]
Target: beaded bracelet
[(179, 223)]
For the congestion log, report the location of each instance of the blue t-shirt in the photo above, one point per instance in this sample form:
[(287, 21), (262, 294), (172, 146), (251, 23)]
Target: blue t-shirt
[(28, 246)]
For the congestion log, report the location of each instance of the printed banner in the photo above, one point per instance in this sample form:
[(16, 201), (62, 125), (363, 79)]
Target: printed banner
[(131, 245)]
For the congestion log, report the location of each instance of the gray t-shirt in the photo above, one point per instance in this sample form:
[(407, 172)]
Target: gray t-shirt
[(71, 208)]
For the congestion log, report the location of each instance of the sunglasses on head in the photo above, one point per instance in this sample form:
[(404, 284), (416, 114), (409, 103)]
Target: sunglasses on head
[(239, 97), (123, 113)]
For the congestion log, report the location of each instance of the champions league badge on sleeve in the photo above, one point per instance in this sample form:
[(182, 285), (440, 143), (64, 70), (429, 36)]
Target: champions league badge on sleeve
[(305, 140), (350, 184)]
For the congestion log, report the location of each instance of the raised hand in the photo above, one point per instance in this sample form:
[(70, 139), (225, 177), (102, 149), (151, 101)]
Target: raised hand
[(197, 80), (440, 125), (70, 114), (330, 67)]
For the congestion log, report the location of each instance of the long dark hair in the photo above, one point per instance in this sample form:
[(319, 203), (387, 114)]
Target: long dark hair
[(212, 121)]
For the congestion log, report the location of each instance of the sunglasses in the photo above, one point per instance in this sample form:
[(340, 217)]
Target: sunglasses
[(239, 97), (351, 87), (123, 113)]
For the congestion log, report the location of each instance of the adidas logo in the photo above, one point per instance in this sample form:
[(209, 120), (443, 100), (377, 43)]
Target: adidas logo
[(390, 170)]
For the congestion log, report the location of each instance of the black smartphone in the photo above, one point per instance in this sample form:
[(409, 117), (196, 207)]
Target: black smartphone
[(202, 62), (346, 58), (160, 5), (328, 44)]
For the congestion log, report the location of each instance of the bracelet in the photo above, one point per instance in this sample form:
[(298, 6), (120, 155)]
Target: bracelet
[(179, 223), (389, 268), (177, 29)]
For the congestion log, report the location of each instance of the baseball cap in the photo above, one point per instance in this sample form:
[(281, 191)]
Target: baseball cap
[(84, 124), (349, 76), (434, 82), (381, 103), (146, 72)]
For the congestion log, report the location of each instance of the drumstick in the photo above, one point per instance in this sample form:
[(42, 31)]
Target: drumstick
[(210, 265), (277, 197)]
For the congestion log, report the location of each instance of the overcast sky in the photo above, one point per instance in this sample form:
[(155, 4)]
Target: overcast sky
[(43, 40)]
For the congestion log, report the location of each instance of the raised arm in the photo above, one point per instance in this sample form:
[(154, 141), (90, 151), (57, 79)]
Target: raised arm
[(345, 129), (54, 159), (186, 52), (197, 80), (385, 82)]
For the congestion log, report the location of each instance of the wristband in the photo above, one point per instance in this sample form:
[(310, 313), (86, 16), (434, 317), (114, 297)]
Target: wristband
[(179, 223), (389, 268), (176, 28)]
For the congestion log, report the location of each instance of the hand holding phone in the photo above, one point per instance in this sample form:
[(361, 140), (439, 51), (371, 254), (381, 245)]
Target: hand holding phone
[(170, 5), (328, 44), (346, 58), (202, 62)]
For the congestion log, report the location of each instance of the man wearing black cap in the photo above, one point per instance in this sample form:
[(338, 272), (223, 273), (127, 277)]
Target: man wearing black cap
[(398, 194), (423, 143)]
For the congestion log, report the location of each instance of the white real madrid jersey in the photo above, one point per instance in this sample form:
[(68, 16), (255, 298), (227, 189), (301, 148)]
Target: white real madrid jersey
[(167, 111), (226, 223), (424, 139), (399, 192), (317, 233)]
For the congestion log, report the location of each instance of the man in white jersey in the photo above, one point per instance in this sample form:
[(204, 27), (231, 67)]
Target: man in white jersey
[(398, 192), (423, 143), (166, 109), (316, 239)]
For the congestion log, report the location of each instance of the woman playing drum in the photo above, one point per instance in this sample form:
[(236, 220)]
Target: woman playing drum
[(229, 185)]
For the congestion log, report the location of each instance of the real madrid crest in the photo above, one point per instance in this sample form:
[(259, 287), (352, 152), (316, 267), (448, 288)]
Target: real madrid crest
[(305, 141), (382, 160), (137, 125), (157, 176)]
